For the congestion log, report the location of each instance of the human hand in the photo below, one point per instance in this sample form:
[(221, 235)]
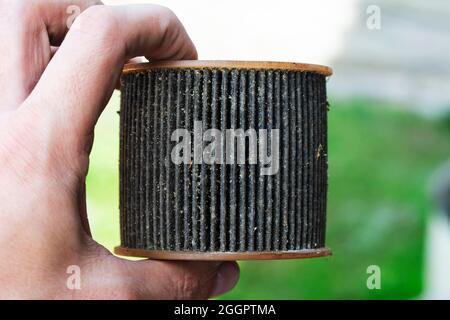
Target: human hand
[(54, 84)]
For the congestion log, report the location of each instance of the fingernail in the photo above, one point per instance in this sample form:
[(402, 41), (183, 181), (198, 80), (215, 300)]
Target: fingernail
[(226, 278)]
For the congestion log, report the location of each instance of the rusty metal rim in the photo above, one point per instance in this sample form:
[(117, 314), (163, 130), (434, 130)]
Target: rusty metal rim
[(223, 64), (222, 256)]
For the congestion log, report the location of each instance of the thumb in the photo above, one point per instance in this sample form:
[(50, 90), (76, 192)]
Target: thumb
[(184, 280)]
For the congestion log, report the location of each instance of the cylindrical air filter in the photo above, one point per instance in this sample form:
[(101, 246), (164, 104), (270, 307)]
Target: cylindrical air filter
[(223, 160)]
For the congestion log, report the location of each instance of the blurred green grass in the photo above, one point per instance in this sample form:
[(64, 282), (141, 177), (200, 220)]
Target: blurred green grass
[(380, 159)]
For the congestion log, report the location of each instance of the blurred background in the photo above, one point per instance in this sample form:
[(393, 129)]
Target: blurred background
[(389, 139)]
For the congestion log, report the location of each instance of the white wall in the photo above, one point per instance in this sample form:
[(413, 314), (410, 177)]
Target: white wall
[(283, 30)]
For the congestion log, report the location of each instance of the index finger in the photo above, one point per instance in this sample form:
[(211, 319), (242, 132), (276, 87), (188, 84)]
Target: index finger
[(82, 75), (28, 29)]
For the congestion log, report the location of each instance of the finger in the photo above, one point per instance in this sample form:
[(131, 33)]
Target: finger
[(133, 60), (28, 28), (226, 279), (88, 63), (183, 280)]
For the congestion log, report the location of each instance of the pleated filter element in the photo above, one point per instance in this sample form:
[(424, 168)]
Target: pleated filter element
[(262, 194)]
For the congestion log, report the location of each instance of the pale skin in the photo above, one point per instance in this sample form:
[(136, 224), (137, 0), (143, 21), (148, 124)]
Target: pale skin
[(54, 84)]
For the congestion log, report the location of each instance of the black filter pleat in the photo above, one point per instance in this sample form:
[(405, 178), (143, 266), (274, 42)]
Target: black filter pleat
[(133, 176), (308, 163), (205, 172), (315, 168), (242, 181), (293, 161), (277, 178), (149, 159), (300, 160), (251, 183), (196, 166), (284, 160), (304, 168), (178, 185), (162, 183), (155, 150), (233, 198), (324, 159), (125, 113), (214, 209), (187, 172), (260, 192), (219, 200), (169, 166), (141, 164), (224, 187), (269, 123), (122, 142)]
